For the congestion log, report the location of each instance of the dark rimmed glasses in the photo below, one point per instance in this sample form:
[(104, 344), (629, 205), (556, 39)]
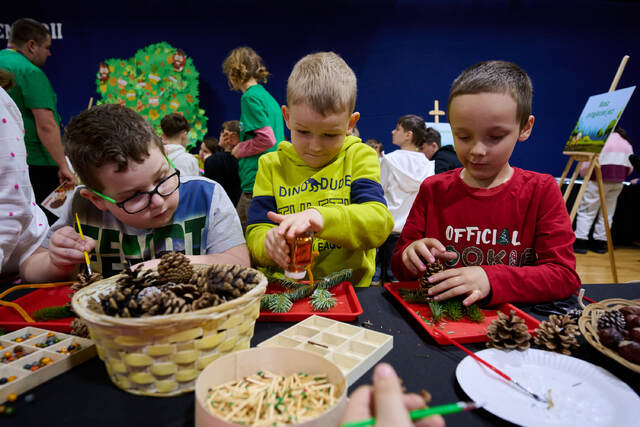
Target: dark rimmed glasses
[(142, 199)]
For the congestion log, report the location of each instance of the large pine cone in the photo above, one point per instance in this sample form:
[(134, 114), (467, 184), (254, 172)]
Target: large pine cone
[(79, 328), (228, 281), (612, 319), (432, 269), (557, 334), (174, 267), (508, 332)]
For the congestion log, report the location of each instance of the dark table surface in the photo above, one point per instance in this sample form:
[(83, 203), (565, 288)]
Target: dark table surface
[(86, 396)]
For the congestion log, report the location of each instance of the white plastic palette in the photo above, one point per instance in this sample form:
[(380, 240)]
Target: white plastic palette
[(27, 379), (353, 349)]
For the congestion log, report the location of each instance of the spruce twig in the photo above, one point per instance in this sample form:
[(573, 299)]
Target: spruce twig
[(280, 303), (474, 313), (437, 310), (54, 312), (454, 309), (334, 279), (322, 300), (412, 295)]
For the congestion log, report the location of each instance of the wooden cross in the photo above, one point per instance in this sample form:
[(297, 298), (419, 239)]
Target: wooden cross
[(437, 112)]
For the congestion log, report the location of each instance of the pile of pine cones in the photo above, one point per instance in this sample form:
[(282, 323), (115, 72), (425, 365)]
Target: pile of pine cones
[(175, 288)]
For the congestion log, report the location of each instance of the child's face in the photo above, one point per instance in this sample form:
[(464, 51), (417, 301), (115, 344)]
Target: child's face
[(400, 136), (204, 152), (316, 138), (144, 176), (485, 130), (228, 139)]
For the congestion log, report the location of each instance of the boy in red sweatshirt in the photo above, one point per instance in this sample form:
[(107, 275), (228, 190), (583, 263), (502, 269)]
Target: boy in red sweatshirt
[(503, 232)]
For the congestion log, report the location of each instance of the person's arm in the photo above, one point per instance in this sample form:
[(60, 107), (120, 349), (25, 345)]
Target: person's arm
[(366, 222), (258, 224), (263, 140), (554, 275), (49, 135)]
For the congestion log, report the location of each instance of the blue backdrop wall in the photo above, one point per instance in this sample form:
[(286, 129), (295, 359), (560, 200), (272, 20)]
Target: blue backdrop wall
[(405, 53)]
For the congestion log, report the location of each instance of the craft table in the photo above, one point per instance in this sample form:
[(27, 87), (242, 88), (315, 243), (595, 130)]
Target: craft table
[(85, 395)]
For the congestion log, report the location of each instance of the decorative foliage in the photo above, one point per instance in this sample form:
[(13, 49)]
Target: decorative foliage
[(158, 80), (454, 308), (322, 300), (474, 313), (451, 308), (50, 313), (437, 311), (298, 290)]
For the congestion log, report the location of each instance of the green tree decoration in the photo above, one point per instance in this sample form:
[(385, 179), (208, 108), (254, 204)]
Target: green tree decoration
[(158, 80), (281, 302), (451, 308), (503, 238)]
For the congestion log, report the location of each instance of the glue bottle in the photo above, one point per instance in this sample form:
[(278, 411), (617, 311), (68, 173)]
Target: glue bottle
[(301, 255)]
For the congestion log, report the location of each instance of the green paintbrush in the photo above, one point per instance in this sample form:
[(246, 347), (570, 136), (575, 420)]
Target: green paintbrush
[(417, 414)]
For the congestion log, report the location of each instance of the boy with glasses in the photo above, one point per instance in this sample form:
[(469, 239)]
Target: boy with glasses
[(134, 206)]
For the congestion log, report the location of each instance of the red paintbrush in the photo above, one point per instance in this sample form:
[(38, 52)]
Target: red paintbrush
[(494, 369)]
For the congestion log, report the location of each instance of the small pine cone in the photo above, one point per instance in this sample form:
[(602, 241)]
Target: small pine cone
[(187, 291), (557, 334), (206, 300), (508, 332), (432, 269), (612, 319), (84, 280), (175, 304), (152, 301), (228, 280), (175, 267), (79, 328), (575, 314)]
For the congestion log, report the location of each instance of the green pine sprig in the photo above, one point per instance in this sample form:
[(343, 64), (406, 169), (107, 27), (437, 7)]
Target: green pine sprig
[(280, 303), (334, 279), (412, 295), (50, 313), (474, 313), (322, 300), (437, 310), (454, 309)]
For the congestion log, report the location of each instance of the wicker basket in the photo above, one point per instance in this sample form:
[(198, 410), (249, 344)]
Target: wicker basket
[(163, 355), (588, 324)]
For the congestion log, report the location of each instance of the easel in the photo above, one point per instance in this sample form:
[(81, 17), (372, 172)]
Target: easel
[(594, 164), (437, 112)]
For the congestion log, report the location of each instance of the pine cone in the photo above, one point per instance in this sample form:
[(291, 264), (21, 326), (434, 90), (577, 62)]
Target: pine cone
[(612, 319), (575, 314), (152, 301), (228, 281), (508, 332), (432, 269), (557, 334), (206, 300), (187, 291), (79, 328), (83, 280), (174, 267)]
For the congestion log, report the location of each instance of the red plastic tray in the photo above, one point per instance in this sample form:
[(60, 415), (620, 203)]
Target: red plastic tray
[(462, 331), (33, 301), (347, 309)]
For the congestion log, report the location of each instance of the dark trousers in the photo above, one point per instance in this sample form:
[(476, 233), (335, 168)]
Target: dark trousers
[(385, 254), (44, 179)]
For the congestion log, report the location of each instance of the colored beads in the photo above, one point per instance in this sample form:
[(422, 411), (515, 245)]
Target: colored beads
[(44, 361), (51, 339), (24, 337), (72, 348), (12, 397), (10, 356), (29, 398)]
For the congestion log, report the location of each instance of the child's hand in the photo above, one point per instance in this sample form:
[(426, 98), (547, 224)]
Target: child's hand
[(66, 246), (427, 249), (295, 224), (276, 247), (470, 281)]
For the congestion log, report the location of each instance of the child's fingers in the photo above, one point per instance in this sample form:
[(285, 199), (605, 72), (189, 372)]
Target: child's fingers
[(413, 401), (406, 260), (275, 217), (473, 297), (359, 405), (65, 256), (435, 244), (388, 397)]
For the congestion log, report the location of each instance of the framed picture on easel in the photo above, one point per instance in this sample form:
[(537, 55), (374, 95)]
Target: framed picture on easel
[(598, 119)]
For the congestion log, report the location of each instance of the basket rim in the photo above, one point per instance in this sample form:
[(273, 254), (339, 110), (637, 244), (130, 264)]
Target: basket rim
[(588, 324), (83, 295)]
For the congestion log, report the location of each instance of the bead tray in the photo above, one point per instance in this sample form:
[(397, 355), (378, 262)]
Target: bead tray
[(353, 349), (27, 379)]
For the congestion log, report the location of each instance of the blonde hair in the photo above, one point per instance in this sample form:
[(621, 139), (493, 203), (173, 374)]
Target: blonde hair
[(325, 82), (242, 64)]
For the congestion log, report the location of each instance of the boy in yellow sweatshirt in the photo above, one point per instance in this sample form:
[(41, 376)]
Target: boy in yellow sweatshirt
[(323, 181)]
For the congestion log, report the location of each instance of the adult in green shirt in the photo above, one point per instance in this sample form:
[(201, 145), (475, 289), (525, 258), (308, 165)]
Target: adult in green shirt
[(261, 123), (28, 49)]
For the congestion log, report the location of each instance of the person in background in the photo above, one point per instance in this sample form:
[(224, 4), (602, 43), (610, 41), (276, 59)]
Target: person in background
[(175, 129), (208, 146), (376, 145), (401, 173), (444, 156), (23, 225), (615, 166), (261, 125), (503, 233), (222, 167), (27, 51)]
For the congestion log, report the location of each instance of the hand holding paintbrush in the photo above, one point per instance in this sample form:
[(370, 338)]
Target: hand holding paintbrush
[(386, 402)]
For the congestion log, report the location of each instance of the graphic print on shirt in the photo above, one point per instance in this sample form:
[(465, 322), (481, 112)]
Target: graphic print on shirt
[(501, 247)]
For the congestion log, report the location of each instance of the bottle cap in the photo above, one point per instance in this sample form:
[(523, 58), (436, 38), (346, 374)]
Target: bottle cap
[(296, 275)]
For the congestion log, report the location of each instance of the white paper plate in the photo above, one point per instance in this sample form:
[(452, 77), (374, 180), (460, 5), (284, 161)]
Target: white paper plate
[(583, 394)]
